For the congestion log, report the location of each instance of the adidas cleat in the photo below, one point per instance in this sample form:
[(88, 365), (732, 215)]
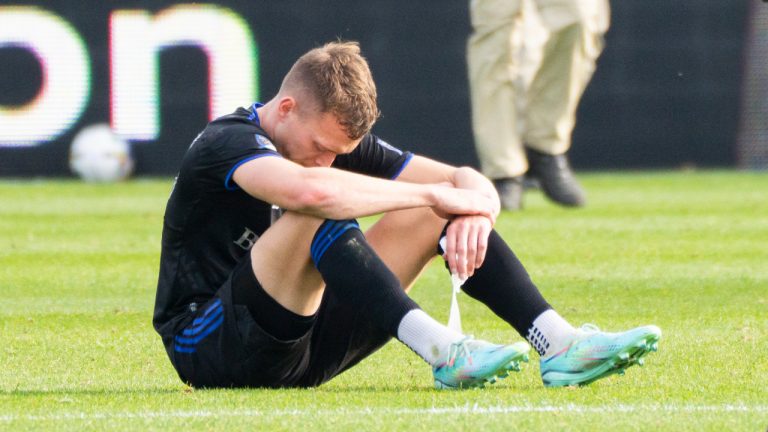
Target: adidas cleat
[(472, 363), (594, 355)]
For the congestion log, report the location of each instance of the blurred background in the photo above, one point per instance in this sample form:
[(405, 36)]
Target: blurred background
[(680, 84)]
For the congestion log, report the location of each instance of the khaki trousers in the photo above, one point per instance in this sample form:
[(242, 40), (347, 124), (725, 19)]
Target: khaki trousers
[(529, 62)]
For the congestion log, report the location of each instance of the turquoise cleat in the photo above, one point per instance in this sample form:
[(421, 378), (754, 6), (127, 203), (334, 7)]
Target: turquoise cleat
[(595, 354), (472, 363)]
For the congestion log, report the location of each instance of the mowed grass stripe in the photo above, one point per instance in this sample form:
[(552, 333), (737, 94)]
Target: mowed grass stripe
[(385, 411)]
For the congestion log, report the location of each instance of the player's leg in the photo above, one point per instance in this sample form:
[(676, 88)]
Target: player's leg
[(362, 298), (569, 356), (299, 255), (363, 306), (250, 334), (407, 240), (282, 264)]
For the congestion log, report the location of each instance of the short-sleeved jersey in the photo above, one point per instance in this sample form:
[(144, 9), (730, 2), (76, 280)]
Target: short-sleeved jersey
[(210, 223)]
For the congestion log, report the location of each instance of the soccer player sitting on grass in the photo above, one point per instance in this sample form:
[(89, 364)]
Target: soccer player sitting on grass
[(249, 297)]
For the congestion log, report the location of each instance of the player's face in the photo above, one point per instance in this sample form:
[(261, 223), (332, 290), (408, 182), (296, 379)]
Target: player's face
[(313, 139)]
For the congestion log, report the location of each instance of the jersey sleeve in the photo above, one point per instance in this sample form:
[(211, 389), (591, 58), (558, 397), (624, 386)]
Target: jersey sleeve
[(225, 152), (374, 157)]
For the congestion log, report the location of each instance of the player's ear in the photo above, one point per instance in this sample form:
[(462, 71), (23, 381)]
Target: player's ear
[(286, 105)]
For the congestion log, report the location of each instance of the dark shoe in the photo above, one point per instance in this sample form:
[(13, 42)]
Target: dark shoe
[(530, 183), (510, 191), (556, 178)]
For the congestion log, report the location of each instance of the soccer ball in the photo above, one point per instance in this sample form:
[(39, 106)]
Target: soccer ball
[(98, 155)]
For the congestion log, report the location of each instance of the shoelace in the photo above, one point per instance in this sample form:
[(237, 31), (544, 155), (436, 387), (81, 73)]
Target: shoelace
[(589, 328), (585, 331), (457, 348)]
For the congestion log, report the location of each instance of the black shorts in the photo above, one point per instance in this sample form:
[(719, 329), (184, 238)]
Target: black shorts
[(223, 346)]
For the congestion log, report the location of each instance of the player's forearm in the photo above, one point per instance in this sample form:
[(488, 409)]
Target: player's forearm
[(336, 194), (468, 178)]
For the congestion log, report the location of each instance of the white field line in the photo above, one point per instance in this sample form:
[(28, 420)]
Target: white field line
[(379, 411)]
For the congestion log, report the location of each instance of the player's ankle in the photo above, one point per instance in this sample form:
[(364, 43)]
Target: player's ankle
[(550, 333), (426, 337)]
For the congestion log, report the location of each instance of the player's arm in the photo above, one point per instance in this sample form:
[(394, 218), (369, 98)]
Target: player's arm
[(424, 170), (336, 194), (467, 235)]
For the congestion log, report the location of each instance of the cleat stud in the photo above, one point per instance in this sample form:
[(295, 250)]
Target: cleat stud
[(655, 346), (640, 362), (621, 372), (503, 374), (525, 358), (623, 356)]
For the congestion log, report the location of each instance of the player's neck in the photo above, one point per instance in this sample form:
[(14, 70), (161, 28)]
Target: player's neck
[(265, 115)]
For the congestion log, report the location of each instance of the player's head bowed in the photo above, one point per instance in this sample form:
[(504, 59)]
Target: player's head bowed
[(335, 78)]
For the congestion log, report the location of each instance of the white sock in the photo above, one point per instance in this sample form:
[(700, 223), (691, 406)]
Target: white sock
[(426, 337), (550, 333)]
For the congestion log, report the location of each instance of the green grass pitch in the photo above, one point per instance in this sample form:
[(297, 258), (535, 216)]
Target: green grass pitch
[(687, 251)]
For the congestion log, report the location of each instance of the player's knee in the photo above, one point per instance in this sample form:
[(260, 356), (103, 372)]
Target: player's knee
[(328, 232)]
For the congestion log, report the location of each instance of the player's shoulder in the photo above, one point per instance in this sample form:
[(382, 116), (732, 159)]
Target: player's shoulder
[(237, 128), (236, 123)]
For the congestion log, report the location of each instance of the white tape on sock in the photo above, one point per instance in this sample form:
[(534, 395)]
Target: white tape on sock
[(454, 316)]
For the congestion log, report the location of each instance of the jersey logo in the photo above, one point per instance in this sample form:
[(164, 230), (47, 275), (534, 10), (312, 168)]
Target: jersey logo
[(247, 240), (263, 142)]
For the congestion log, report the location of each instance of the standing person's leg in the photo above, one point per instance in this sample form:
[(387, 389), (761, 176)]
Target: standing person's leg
[(574, 44), (493, 83), (576, 30)]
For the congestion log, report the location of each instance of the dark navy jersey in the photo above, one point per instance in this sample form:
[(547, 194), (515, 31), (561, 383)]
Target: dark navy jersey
[(210, 223)]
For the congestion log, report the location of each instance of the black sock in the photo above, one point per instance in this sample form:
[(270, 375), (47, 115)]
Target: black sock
[(503, 285), (351, 267)]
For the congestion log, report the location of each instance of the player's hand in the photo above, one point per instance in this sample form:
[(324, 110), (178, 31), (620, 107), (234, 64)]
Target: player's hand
[(466, 242), (451, 202)]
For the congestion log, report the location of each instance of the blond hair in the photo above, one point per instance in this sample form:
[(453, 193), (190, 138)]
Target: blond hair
[(337, 79)]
